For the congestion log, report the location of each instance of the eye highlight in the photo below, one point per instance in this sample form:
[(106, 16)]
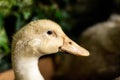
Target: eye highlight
[(49, 32)]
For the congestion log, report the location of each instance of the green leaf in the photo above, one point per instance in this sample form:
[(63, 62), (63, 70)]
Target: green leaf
[(4, 42)]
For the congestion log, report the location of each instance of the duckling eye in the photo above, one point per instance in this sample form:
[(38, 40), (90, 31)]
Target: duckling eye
[(49, 32)]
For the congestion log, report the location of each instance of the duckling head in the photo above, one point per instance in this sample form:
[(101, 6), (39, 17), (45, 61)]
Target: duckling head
[(42, 37)]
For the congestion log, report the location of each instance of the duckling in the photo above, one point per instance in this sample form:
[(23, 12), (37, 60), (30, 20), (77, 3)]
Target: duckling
[(38, 38), (104, 47)]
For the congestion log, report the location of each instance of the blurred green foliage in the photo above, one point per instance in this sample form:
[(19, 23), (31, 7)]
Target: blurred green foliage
[(3, 38), (27, 10), (3, 42)]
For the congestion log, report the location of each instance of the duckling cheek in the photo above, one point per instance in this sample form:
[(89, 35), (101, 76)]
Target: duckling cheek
[(34, 45), (51, 45)]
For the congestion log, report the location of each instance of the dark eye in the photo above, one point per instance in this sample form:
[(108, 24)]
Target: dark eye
[(49, 32)]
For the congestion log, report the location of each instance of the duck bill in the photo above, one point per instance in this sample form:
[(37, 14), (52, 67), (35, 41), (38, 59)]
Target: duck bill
[(71, 47)]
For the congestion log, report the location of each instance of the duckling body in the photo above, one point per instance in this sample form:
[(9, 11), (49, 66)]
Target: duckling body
[(36, 39)]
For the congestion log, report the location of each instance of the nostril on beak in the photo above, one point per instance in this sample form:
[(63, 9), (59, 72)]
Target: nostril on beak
[(70, 43)]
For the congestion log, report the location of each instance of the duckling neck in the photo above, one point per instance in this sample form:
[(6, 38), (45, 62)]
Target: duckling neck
[(27, 69)]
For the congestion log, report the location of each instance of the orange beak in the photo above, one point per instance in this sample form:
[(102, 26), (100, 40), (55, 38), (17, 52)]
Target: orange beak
[(70, 46)]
